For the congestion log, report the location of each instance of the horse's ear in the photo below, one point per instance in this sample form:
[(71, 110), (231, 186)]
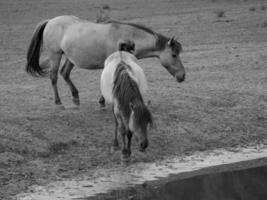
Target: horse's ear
[(122, 46), (132, 46), (171, 41)]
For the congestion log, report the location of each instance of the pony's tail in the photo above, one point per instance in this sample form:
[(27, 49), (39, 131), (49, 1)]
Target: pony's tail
[(33, 54)]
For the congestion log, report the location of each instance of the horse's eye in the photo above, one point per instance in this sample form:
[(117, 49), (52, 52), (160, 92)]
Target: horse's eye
[(174, 55)]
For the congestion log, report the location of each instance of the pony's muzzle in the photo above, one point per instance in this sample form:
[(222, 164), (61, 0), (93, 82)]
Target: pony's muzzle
[(143, 145)]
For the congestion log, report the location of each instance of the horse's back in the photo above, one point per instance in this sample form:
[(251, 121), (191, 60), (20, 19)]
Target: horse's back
[(111, 64)]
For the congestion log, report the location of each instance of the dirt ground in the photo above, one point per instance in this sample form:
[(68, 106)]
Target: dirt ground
[(222, 103)]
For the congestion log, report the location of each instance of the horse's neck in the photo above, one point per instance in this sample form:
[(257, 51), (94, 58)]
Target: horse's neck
[(145, 44), (147, 47)]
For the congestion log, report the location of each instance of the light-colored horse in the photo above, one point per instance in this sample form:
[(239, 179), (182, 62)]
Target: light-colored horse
[(86, 45), (123, 84)]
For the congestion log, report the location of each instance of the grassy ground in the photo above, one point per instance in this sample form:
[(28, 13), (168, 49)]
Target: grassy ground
[(222, 103)]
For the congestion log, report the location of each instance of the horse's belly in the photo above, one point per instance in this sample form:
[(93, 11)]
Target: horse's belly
[(84, 48), (87, 62)]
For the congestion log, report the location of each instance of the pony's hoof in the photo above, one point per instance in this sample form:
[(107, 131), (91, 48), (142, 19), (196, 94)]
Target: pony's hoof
[(74, 107), (125, 158), (76, 101)]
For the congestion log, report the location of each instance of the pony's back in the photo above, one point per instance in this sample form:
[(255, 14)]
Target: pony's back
[(108, 75)]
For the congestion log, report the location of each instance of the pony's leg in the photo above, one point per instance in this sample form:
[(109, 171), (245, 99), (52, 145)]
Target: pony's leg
[(124, 148), (115, 140), (129, 136), (55, 61), (122, 131), (65, 72), (102, 102)]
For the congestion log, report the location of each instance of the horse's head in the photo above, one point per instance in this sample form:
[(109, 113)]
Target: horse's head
[(170, 59), (139, 121)]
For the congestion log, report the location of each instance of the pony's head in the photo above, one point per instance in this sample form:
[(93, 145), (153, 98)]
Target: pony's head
[(126, 45), (170, 58), (140, 119)]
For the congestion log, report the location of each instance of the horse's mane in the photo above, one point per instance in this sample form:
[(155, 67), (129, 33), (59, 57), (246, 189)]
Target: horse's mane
[(126, 91), (161, 40)]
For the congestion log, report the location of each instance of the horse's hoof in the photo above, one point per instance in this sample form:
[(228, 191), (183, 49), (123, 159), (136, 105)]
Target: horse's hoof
[(115, 148), (76, 101), (59, 107)]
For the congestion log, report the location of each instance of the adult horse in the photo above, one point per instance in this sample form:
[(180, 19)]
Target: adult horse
[(123, 84), (86, 45)]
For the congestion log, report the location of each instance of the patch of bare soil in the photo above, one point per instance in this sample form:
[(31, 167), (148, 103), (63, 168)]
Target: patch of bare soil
[(222, 103)]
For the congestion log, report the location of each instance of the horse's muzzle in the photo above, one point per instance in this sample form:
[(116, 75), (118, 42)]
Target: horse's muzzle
[(180, 77), (143, 145)]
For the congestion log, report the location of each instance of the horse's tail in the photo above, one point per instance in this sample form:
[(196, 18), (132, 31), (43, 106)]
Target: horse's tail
[(33, 54)]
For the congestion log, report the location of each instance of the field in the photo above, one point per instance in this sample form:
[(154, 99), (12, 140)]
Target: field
[(222, 103)]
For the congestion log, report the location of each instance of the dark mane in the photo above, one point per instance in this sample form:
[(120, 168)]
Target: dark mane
[(161, 40), (139, 26), (126, 91)]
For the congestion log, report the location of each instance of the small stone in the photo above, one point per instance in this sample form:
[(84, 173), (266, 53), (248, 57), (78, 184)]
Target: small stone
[(228, 129)]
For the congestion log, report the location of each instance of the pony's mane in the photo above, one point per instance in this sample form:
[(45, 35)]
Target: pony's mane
[(126, 91), (161, 40)]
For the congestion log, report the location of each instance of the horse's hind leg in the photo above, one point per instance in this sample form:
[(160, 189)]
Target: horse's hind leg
[(65, 72), (55, 62)]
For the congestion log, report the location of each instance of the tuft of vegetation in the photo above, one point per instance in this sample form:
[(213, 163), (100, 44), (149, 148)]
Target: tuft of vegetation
[(58, 147), (220, 13), (264, 25), (252, 9)]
